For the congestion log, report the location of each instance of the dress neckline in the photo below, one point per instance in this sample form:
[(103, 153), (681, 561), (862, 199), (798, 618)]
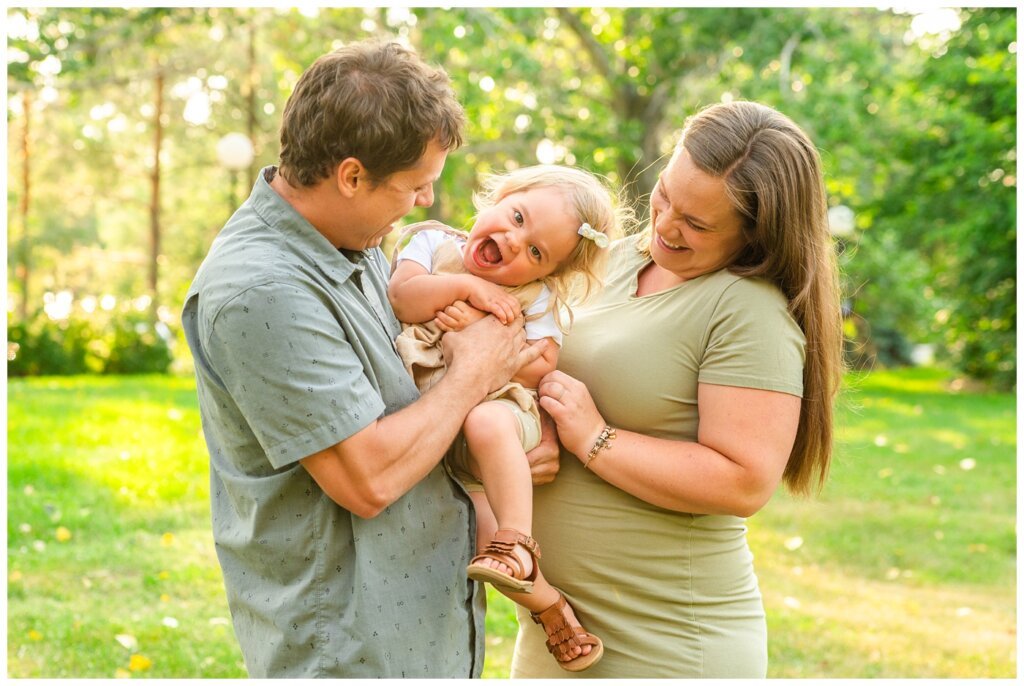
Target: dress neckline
[(634, 286)]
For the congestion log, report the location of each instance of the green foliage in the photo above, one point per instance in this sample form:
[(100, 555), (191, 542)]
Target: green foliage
[(120, 342), (917, 134), (44, 346), (952, 195)]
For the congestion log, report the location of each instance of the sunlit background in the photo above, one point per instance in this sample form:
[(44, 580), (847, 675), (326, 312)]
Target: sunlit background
[(133, 134)]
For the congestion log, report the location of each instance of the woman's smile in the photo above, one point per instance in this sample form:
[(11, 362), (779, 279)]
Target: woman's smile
[(670, 246)]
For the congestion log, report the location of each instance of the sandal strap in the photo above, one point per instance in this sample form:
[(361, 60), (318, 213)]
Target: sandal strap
[(562, 638), (505, 540), (501, 549)]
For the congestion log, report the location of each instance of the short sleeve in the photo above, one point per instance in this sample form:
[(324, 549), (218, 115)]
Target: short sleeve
[(421, 247), (544, 326), (753, 341), (284, 358)]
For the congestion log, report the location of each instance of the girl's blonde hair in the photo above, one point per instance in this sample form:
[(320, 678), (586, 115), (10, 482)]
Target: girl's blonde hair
[(773, 176), (593, 202)]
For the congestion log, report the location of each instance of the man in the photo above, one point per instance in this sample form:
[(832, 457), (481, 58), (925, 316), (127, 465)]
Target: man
[(342, 540)]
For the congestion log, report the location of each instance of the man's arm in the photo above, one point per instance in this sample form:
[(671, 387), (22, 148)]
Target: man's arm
[(544, 459), (371, 469)]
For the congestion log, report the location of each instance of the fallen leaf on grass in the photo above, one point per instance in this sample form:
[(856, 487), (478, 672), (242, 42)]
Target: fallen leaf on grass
[(138, 663)]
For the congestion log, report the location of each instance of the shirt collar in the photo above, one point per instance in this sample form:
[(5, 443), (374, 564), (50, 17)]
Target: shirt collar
[(277, 213)]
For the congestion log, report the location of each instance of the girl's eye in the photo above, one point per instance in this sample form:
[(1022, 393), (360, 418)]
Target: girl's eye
[(695, 227), (518, 216), (535, 251)]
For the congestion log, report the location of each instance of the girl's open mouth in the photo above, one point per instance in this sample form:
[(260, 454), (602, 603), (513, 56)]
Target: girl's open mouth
[(488, 254)]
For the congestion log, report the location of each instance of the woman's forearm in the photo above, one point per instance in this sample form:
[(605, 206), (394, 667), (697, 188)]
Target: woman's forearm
[(744, 440), (680, 476)]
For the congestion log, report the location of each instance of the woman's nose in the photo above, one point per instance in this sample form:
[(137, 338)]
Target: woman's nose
[(660, 219)]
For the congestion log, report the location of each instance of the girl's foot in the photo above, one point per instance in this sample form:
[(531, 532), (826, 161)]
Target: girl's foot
[(501, 566), (570, 644)]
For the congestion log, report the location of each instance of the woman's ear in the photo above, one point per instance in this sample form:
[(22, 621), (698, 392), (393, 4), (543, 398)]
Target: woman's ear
[(350, 176)]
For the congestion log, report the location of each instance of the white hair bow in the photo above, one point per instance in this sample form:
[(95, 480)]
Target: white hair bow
[(587, 231)]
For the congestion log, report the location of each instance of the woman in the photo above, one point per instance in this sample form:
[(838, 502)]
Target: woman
[(700, 377)]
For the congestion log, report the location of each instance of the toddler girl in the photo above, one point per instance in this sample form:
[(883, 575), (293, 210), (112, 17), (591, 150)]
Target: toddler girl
[(537, 244)]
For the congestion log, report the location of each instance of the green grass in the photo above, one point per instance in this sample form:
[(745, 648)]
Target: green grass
[(906, 565)]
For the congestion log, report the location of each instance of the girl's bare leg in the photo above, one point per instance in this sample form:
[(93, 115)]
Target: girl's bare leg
[(499, 461)]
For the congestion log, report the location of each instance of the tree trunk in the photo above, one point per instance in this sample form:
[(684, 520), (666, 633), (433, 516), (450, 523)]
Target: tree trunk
[(24, 206), (154, 206), (251, 98)]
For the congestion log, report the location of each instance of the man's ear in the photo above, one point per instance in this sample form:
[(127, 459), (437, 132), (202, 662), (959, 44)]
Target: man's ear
[(350, 177)]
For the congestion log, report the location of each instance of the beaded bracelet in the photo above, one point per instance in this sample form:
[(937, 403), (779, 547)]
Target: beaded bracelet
[(603, 441)]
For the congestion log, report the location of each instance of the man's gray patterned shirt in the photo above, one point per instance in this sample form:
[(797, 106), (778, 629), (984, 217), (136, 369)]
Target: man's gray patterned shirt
[(293, 348)]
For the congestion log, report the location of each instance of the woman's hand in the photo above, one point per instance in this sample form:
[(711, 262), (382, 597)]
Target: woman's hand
[(457, 316), (576, 416)]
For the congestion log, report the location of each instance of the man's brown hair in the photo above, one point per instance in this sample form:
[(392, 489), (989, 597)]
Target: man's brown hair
[(376, 102)]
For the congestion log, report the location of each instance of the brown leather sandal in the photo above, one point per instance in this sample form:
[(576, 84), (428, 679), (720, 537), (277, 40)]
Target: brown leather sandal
[(501, 549), (562, 637)]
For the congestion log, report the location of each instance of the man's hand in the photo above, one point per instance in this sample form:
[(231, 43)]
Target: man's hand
[(489, 352), (543, 459)]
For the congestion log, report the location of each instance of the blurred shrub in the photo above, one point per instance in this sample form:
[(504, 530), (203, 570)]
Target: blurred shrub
[(99, 343)]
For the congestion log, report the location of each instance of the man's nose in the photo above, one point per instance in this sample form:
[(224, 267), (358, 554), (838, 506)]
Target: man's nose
[(426, 197)]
